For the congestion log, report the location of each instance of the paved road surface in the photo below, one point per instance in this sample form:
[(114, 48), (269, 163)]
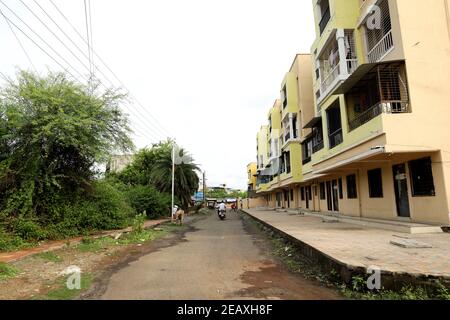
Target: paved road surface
[(215, 260)]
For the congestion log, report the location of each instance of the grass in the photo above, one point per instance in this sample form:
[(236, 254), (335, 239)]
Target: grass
[(135, 237), (7, 271), (62, 292), (297, 263), (49, 256)]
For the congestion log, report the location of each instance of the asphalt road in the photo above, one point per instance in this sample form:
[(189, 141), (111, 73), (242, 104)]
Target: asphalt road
[(214, 260)]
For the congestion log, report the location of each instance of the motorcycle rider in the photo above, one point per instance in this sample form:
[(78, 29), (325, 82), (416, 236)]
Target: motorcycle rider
[(222, 208)]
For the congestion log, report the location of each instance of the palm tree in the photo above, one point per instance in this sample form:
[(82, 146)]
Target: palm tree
[(186, 177)]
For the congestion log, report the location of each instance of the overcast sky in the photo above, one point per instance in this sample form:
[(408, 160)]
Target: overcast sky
[(208, 70)]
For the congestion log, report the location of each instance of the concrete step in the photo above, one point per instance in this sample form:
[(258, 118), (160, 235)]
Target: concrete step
[(397, 226)]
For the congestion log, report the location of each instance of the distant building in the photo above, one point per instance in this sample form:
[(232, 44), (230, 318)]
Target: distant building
[(119, 163)]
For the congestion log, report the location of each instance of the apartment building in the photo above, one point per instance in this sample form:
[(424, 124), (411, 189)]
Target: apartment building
[(251, 184), (375, 142), (279, 176)]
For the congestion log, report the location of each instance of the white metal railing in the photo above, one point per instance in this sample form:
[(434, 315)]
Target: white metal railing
[(329, 79), (381, 48)]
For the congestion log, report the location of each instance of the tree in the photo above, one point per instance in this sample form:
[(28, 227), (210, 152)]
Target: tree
[(153, 166), (186, 177), (53, 132)]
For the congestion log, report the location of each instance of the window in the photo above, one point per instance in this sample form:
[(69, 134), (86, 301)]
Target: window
[(375, 183), (306, 151), (334, 125), (309, 193), (325, 15), (302, 193), (317, 139), (352, 192), (292, 195), (288, 162), (341, 191), (284, 96), (322, 191), (422, 178)]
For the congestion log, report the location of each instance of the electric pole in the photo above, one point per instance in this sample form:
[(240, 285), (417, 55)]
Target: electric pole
[(204, 187)]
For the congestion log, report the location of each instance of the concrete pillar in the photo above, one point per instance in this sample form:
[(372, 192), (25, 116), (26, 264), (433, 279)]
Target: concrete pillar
[(340, 37)]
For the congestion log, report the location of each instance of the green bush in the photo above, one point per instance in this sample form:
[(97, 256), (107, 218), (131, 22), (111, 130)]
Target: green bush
[(29, 230), (10, 242), (148, 199), (103, 208), (138, 222)]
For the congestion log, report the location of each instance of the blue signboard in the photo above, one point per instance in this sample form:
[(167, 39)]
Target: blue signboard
[(199, 196)]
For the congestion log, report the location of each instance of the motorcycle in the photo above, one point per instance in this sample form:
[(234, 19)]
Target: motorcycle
[(222, 214)]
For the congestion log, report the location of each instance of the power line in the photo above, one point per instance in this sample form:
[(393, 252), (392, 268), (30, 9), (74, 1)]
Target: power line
[(92, 38), (136, 130), (88, 38), (34, 32), (47, 27), (35, 43), (20, 43), (110, 70), (145, 125), (72, 41)]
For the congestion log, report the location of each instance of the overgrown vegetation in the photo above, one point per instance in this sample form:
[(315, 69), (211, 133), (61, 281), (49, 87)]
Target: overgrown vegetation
[(54, 135), (149, 178), (357, 289)]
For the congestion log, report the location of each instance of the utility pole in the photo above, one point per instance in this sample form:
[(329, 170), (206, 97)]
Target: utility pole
[(173, 180), (204, 187)]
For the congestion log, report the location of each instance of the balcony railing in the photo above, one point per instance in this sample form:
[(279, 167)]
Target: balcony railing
[(329, 79), (393, 106), (380, 50), (317, 147), (324, 21), (336, 138)]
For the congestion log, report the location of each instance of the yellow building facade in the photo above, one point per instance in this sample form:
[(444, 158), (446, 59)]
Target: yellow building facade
[(371, 138)]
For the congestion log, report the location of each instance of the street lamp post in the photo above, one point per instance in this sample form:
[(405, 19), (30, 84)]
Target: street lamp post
[(173, 180)]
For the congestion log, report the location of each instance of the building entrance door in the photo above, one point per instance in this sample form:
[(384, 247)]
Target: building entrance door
[(401, 191)]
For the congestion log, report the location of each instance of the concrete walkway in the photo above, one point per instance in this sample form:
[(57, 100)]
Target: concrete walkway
[(357, 246), (7, 257)]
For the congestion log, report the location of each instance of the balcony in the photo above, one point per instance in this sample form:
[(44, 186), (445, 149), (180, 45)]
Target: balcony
[(324, 21), (389, 107), (378, 34), (337, 60), (381, 49), (373, 90)]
